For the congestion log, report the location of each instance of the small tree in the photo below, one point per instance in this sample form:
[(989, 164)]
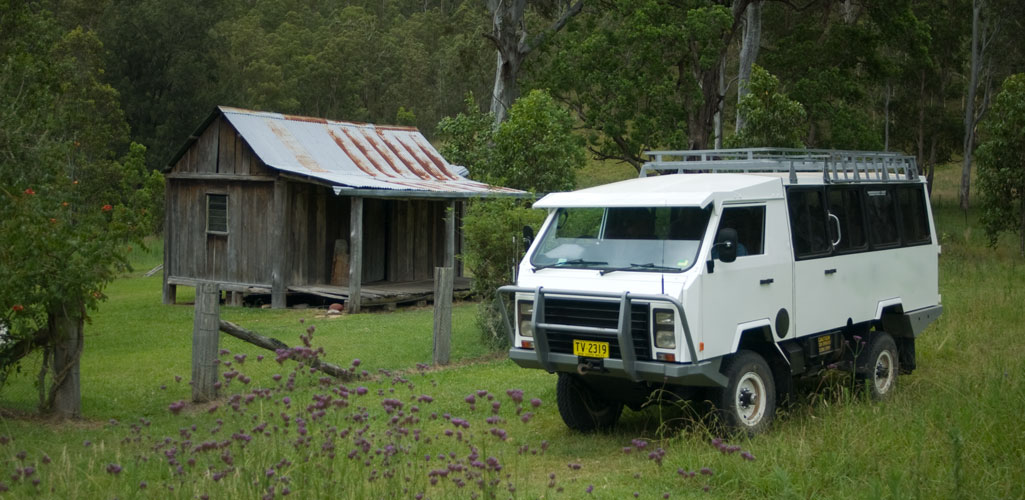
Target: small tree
[(69, 212), (771, 118), (1001, 160), (493, 249)]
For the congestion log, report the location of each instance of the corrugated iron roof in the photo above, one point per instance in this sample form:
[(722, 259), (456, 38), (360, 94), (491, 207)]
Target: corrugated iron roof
[(354, 155)]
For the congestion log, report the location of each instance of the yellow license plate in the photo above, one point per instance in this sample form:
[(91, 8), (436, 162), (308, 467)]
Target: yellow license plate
[(590, 349)]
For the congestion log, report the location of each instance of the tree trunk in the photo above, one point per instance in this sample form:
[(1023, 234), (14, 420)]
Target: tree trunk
[(65, 398), (969, 110), (718, 125), (1021, 228), (748, 53), (509, 36), (886, 120)]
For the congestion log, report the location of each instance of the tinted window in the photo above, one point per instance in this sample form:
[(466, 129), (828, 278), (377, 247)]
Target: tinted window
[(845, 204), (914, 218), (808, 222), (749, 222), (881, 211)]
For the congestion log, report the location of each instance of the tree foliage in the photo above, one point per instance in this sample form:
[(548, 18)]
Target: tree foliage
[(534, 150), (1002, 164), (69, 210), (772, 118), (637, 74)]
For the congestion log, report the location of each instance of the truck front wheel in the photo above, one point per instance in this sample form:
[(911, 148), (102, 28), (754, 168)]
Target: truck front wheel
[(748, 402), (582, 408)]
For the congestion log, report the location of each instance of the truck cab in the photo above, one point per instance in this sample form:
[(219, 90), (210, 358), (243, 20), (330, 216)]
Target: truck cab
[(731, 272)]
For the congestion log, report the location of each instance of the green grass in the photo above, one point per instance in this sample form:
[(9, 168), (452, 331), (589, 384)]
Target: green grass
[(952, 429)]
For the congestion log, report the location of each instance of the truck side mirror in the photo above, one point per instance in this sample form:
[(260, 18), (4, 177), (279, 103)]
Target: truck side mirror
[(726, 244), (528, 237)]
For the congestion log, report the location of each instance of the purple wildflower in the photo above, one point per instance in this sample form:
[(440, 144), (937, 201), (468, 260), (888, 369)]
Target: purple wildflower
[(176, 407), (515, 394)]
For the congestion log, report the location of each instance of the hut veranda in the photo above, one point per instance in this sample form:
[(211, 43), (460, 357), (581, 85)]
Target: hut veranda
[(265, 203)]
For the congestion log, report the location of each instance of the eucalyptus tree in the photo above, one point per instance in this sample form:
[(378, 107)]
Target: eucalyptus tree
[(513, 44), (640, 75)]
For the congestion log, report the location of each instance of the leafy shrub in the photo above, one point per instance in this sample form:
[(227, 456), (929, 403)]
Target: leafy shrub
[(1002, 165), (534, 150), (494, 246), (773, 119)]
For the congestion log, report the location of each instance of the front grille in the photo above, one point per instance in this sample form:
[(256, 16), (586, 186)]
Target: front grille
[(600, 314)]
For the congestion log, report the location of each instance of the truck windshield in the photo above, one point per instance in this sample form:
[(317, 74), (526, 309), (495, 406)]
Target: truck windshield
[(659, 239)]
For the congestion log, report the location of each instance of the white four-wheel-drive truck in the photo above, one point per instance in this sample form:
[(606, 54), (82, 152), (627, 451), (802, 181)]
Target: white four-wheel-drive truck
[(729, 271)]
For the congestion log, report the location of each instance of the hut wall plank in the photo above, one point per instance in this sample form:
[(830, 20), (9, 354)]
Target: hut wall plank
[(206, 149), (320, 271), (248, 160), (297, 228), (374, 239), (236, 168), (225, 148), (234, 262), (423, 268)]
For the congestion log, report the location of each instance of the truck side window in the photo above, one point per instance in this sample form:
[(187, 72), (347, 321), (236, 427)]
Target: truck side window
[(845, 204), (882, 217), (913, 216), (749, 222), (808, 223)]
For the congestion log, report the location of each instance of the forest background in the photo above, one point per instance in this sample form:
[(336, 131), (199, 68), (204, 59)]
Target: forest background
[(904, 75)]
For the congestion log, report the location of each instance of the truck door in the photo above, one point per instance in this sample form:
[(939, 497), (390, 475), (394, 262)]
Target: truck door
[(756, 287), (833, 275)]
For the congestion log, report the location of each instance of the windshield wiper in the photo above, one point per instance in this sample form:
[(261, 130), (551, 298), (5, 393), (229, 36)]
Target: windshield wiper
[(646, 266), (572, 262)]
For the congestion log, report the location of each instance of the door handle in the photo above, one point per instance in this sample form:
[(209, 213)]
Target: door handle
[(766, 281), (830, 271)]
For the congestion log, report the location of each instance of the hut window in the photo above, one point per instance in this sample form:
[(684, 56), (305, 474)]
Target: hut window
[(217, 213)]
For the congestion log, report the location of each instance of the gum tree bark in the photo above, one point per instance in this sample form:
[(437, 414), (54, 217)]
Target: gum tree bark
[(510, 38), (748, 53)]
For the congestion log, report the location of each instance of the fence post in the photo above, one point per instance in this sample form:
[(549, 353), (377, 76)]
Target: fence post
[(205, 334), (442, 315)]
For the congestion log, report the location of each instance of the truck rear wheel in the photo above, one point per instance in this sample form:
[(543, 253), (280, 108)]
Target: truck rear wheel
[(584, 409), (748, 402), (878, 364)]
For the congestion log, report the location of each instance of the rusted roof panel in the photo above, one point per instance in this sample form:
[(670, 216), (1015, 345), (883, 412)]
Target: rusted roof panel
[(355, 155)]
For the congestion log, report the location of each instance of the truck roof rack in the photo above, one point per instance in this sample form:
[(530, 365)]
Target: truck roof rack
[(836, 166)]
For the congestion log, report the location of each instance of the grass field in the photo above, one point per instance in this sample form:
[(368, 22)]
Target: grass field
[(404, 430)]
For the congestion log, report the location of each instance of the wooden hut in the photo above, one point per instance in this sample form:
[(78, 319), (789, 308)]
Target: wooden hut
[(270, 203)]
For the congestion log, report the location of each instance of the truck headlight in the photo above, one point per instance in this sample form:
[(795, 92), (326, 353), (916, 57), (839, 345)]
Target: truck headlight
[(665, 329), (524, 313)]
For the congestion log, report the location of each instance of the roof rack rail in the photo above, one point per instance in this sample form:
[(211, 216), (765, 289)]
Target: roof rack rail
[(836, 166)]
